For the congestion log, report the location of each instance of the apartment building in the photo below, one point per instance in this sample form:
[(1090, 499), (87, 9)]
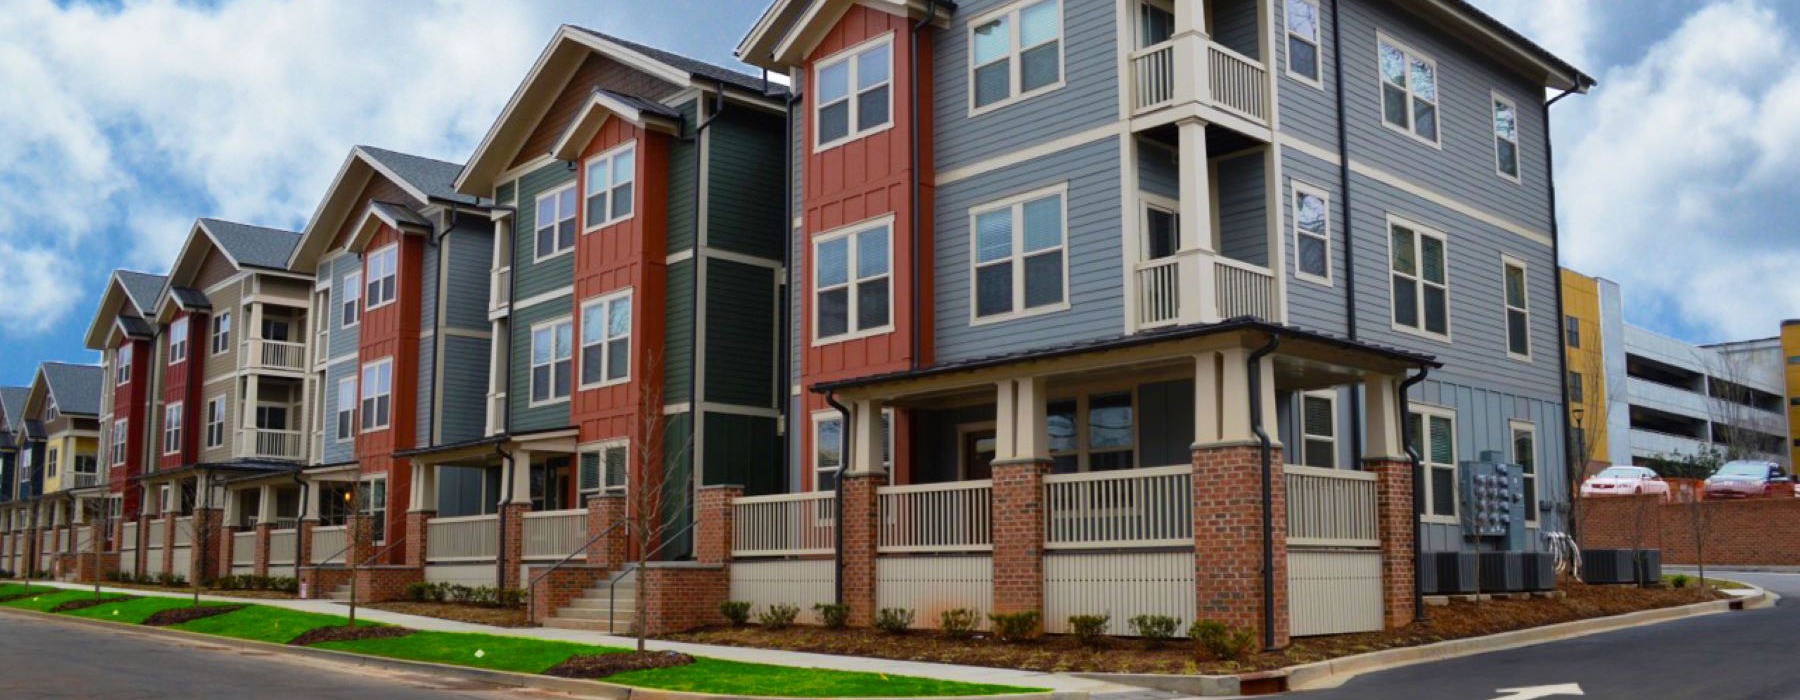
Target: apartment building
[(1636, 395), (12, 521), (55, 436), (125, 335)]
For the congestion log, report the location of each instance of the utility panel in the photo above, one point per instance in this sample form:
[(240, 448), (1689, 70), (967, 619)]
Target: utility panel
[(1493, 501)]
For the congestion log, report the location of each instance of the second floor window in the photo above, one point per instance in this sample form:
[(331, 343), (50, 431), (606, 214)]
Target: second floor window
[(1572, 332), (352, 302), (1421, 280), (172, 428), (122, 365), (1019, 256), (854, 96), (1312, 233), (552, 354), (555, 232), (851, 283), (1015, 53), (377, 395), (384, 277), (119, 435), (345, 411), (1409, 91), (1576, 393), (178, 341), (1303, 39), (1518, 310), (603, 468), (215, 422), (1506, 138), (606, 340), (221, 333), (609, 184)]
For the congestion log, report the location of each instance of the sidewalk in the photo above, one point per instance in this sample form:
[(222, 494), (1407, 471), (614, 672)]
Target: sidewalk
[(968, 674)]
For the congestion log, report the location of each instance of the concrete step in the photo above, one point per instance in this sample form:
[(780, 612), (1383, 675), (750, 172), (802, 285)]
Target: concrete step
[(592, 614), (621, 627), (602, 603), (622, 592)]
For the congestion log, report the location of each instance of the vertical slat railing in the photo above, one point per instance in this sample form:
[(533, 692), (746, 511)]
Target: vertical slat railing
[(1130, 508), (948, 517), (1330, 507)]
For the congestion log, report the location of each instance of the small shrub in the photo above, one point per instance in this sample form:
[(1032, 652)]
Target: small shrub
[(1155, 629), (1221, 641), (832, 615), (285, 584), (1679, 581), (958, 622), (512, 598), (778, 617), (737, 611), (1015, 627), (418, 591), (894, 620), (1089, 629), (459, 593)]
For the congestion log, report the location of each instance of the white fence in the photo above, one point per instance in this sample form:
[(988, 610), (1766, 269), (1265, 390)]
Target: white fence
[(1330, 508), (1127, 508), (277, 444), (329, 545), (1153, 76), (243, 548), (284, 547), (555, 534), (1238, 82), (1159, 292), (784, 525), (276, 354), (155, 537), (930, 585), (1334, 591), (1120, 584), (1244, 289), (184, 531), (801, 583), (947, 517), (469, 538)]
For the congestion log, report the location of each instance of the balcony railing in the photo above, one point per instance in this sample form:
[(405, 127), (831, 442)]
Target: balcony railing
[(468, 538), (1244, 289), (277, 354), (79, 480), (947, 517), (329, 544), (1159, 292), (555, 534), (1239, 83), (500, 291), (1330, 507), (1234, 82), (275, 444), (1126, 508), (1153, 76)]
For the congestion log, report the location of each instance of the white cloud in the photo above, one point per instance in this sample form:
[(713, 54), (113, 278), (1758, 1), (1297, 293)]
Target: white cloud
[(36, 288), (1564, 27)]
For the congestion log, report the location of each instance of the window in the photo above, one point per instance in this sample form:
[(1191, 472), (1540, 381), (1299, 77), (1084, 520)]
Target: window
[(1156, 22), (1575, 391), (603, 468), (346, 408), (606, 340), (371, 500), (1162, 227), (275, 329), (610, 180), (377, 395), (854, 93), (555, 223), (352, 301), (119, 435), (178, 340), (1524, 454), (551, 355), (1420, 280), (1312, 233), (1432, 432), (384, 273), (1506, 138), (221, 333), (85, 465), (271, 416), (215, 422), (52, 463), (1092, 433), (1015, 53), (122, 365), (1019, 256), (1572, 331), (1303, 40), (1409, 94), (851, 280), (172, 428), (1518, 310), (1318, 426), (828, 450)]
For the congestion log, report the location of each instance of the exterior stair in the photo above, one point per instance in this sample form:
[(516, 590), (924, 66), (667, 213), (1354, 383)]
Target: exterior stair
[(603, 608), (341, 593)]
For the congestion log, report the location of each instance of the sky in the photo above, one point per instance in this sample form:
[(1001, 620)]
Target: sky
[(126, 120)]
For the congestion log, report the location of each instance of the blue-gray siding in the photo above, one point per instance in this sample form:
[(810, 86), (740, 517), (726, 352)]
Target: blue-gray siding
[(470, 253), (337, 452), (463, 410), (344, 339), (1243, 208), (1482, 417)]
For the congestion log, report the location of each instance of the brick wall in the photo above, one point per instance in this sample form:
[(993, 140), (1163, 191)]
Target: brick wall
[(417, 537), (861, 528), (208, 536), (512, 543), (1018, 532), (1758, 531), (1398, 530), (712, 531), (603, 512), (321, 581), (553, 591), (1228, 538), (227, 551), (375, 584), (683, 597), (261, 566)]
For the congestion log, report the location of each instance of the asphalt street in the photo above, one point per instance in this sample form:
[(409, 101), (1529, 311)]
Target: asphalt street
[(41, 659), (1744, 655)]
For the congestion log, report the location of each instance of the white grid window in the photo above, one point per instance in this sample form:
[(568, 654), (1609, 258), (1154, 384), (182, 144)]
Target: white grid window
[(1409, 91), (119, 435), (122, 365), (1506, 138), (1020, 256), (215, 422), (552, 354), (384, 276), (172, 428), (1421, 280), (555, 230), (1302, 20), (855, 93), (610, 182), (852, 283), (828, 450), (377, 395), (1524, 454), (603, 468), (345, 411), (1312, 233), (352, 300), (606, 340), (1015, 53), (1318, 427), (178, 340), (221, 333), (1432, 433), (1518, 310)]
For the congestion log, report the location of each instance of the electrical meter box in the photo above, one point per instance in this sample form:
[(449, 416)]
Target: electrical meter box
[(1493, 501)]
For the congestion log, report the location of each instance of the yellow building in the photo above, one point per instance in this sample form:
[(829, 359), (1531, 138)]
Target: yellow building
[(1585, 387), (1790, 352)]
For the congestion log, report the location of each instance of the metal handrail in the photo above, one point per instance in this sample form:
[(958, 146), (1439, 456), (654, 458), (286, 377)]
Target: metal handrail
[(531, 600), (612, 585)]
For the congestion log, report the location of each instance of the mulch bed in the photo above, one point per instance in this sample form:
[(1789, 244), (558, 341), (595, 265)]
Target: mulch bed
[(19, 596), (176, 616), (1124, 655), (85, 603), (480, 615), (348, 634), (255, 595), (603, 665)]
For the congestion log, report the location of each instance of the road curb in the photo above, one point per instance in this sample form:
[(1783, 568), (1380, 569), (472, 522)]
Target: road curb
[(584, 688)]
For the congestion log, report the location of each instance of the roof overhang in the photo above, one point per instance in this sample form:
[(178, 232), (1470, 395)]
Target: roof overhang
[(339, 204), (600, 107), (790, 29), (395, 216), (1502, 42), (106, 318)]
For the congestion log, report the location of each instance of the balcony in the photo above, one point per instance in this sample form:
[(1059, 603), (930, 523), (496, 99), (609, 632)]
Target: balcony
[(500, 293), (79, 480), (1239, 289), (1217, 77), (277, 355), (274, 444)]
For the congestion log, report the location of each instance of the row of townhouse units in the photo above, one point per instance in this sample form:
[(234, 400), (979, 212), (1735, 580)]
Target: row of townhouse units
[(1189, 307)]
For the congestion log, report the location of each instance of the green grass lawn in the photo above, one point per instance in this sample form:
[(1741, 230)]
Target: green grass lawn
[(263, 624), (51, 599), (517, 654), (134, 611)]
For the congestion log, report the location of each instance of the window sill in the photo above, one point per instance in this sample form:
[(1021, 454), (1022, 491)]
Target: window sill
[(608, 223), (546, 402), (606, 384), (976, 111), (1408, 133), (1428, 335), (854, 136), (558, 254), (1018, 315), (859, 335)]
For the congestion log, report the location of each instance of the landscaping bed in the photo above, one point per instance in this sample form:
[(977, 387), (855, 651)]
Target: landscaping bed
[(83, 604), (347, 633), (460, 612), (182, 616), (1459, 620), (603, 665)]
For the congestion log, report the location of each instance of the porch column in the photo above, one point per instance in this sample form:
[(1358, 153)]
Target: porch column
[(1194, 264), (424, 508), (1228, 502), (1382, 420), (604, 510), (1022, 458), (512, 518), (1190, 39), (309, 519), (1222, 398), (1395, 521), (862, 512)]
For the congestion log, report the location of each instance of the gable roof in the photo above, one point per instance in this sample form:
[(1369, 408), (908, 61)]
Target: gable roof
[(789, 29), (129, 294), (251, 246), (711, 72), (12, 406), (427, 180), (141, 287), (76, 388), (431, 178)]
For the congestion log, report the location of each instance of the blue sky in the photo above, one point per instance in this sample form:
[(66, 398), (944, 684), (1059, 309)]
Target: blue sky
[(125, 121)]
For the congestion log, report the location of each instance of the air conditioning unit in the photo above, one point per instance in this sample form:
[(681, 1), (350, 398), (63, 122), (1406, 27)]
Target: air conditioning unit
[(1608, 566), (1447, 573), (1649, 566), (1502, 572), (1540, 571)]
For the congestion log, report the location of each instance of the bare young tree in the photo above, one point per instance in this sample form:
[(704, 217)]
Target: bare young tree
[(1591, 407), (653, 495)]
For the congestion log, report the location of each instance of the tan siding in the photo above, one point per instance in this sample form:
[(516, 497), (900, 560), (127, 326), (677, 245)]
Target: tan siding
[(233, 419), (379, 189), (226, 300), (214, 268), (596, 72)]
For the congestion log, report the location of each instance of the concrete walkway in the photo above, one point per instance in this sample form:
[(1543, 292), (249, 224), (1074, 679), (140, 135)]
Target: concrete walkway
[(950, 672)]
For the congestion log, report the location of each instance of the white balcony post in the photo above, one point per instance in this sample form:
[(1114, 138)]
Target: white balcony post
[(1006, 420), (867, 438), (1207, 411), (1234, 396), (518, 468), (1190, 40), (265, 507), (1032, 435), (1383, 420), (1195, 265), (424, 488), (231, 515), (313, 500)]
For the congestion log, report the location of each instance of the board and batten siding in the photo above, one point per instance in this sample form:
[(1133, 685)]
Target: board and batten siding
[(678, 332), (1483, 420), (743, 189), (682, 212)]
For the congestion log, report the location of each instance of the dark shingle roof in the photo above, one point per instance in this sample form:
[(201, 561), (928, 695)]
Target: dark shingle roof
[(76, 388), (400, 213), (643, 105), (142, 287), (696, 67), (436, 178), (190, 298), (253, 246), (12, 403), (136, 327)]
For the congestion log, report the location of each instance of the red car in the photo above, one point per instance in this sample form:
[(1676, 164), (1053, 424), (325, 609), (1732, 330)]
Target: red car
[(1745, 479)]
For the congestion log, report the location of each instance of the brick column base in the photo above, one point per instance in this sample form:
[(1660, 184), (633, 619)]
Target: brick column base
[(168, 548), (512, 543), (1398, 529), (227, 550), (417, 542), (1228, 538), (1018, 525), (713, 531), (261, 566), (604, 511), (683, 596), (861, 529), (208, 533)]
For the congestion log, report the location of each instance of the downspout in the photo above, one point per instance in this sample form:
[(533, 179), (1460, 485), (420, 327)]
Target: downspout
[(1571, 472), (917, 210), (1404, 405), (784, 346), (1344, 218), (1266, 450), (837, 556), (700, 194)]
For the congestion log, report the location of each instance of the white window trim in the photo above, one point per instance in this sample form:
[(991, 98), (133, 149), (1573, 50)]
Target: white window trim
[(206, 440), (578, 366), (220, 339), (363, 396), (338, 410), (172, 417), (1513, 427), (1427, 411), (1380, 82), (962, 438), (1518, 154), (182, 327), (599, 448), (1017, 258), (1084, 449), (1306, 438), (120, 441), (369, 260), (553, 196), (812, 462), (850, 231), (1418, 251), (1300, 187), (1146, 202), (1013, 52), (1317, 81), (611, 156), (352, 298), (122, 359), (531, 366), (850, 55), (1506, 307)]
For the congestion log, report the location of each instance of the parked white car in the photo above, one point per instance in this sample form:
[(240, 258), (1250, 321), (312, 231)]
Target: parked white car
[(1624, 481)]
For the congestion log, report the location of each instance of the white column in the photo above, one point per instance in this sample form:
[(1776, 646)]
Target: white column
[(265, 506), (424, 488), (866, 438), (1195, 264), (519, 470), (1190, 41), (313, 500), (1032, 432), (1234, 396), (1381, 416), (1006, 421), (231, 515), (1206, 398)]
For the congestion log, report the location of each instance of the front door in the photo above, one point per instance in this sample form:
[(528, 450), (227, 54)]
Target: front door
[(978, 454)]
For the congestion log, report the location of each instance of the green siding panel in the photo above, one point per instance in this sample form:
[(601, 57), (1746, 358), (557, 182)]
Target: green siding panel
[(678, 340), (745, 150), (681, 184), (521, 416), (742, 450), (678, 486), (533, 278), (741, 333)]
